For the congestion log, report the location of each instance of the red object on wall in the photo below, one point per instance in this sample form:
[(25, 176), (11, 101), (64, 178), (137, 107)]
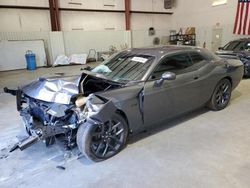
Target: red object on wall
[(242, 19), (54, 15), (127, 14)]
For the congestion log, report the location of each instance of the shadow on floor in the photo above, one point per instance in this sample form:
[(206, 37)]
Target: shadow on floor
[(166, 125)]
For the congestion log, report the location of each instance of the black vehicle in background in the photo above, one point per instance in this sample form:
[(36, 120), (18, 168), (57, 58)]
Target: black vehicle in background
[(237, 49)]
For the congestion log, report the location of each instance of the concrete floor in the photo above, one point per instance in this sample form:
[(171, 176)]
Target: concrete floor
[(202, 149)]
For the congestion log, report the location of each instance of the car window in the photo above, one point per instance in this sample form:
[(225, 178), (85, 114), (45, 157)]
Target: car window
[(196, 57), (240, 47), (247, 46), (177, 64), (125, 67), (231, 45)]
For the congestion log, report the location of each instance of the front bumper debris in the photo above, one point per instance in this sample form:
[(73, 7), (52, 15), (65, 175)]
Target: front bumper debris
[(17, 93), (25, 143)]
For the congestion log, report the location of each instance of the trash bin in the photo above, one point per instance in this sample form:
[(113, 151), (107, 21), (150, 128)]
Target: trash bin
[(30, 60)]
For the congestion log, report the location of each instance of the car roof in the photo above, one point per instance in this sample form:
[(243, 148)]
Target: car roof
[(242, 40), (160, 51)]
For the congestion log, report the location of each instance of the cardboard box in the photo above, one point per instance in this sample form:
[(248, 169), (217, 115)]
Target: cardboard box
[(190, 30)]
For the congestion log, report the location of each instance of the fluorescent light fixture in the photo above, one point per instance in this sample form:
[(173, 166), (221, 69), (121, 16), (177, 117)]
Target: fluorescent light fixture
[(219, 2)]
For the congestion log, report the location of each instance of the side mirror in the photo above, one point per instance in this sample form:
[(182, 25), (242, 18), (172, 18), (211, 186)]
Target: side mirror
[(165, 76), (220, 48), (88, 68), (168, 76)]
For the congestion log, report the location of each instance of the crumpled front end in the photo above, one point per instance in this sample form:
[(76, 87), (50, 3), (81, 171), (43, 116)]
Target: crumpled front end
[(54, 89), (50, 107), (45, 120)]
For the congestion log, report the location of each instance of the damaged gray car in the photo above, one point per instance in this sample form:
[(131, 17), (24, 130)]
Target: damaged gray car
[(132, 91)]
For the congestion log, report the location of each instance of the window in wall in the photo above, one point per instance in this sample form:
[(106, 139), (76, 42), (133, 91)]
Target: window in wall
[(218, 2)]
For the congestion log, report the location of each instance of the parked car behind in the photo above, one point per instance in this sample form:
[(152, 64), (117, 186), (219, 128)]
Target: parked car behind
[(237, 49)]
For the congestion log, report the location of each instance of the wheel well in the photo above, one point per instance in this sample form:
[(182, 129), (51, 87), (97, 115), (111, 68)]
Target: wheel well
[(120, 112), (229, 78)]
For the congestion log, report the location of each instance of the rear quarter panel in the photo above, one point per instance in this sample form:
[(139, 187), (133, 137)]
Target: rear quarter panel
[(235, 69), (217, 70)]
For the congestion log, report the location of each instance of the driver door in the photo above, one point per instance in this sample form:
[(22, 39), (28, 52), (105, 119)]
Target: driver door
[(172, 97)]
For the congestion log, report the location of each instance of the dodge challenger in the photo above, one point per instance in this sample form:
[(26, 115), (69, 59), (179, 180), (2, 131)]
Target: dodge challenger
[(132, 91)]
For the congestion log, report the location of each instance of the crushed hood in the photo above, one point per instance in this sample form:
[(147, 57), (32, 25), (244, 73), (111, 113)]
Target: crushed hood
[(58, 89)]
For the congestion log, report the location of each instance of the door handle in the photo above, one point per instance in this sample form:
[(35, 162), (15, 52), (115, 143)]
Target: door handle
[(196, 77)]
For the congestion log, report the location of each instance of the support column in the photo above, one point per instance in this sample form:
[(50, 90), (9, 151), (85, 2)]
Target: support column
[(127, 14), (57, 15), (54, 15)]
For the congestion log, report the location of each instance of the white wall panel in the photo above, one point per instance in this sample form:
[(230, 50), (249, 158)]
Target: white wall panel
[(93, 4), (19, 36), (162, 21), (82, 41), (141, 21), (140, 38), (24, 20), (42, 3), (144, 21), (158, 5), (142, 5), (57, 44), (40, 20), (91, 21), (148, 5), (13, 52), (9, 20)]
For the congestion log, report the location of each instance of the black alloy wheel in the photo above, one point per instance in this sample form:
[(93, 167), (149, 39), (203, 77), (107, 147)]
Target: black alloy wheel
[(221, 95), (102, 141)]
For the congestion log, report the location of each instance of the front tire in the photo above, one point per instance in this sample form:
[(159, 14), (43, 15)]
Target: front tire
[(221, 95), (99, 142)]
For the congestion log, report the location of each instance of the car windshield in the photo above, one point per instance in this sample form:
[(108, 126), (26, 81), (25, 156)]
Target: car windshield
[(232, 45), (125, 67)]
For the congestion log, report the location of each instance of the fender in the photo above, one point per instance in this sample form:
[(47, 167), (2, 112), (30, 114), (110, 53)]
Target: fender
[(105, 112)]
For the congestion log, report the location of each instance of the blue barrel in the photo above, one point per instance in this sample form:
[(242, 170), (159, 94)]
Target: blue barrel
[(30, 60)]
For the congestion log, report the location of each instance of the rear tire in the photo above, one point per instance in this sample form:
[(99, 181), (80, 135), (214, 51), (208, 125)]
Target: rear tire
[(99, 142), (221, 95)]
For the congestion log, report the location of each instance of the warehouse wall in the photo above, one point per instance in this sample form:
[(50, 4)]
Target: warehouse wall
[(77, 26), (185, 14), (205, 17), (38, 20)]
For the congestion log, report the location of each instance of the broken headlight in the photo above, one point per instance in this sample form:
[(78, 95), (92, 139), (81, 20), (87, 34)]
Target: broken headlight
[(93, 103)]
